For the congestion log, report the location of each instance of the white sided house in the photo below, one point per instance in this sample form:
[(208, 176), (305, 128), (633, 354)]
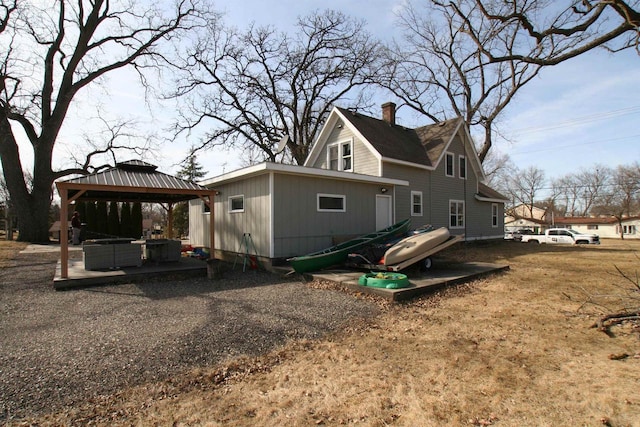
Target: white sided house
[(362, 174), (605, 227)]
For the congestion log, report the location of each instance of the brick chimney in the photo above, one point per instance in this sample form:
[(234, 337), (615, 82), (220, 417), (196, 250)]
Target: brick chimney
[(389, 112)]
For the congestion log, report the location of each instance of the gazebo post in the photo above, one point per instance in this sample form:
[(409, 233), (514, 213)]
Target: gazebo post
[(170, 220), (64, 227)]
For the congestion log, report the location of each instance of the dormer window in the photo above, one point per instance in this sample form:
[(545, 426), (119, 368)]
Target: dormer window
[(340, 157)]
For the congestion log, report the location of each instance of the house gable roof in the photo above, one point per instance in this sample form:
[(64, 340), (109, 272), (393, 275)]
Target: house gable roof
[(422, 147), (390, 141)]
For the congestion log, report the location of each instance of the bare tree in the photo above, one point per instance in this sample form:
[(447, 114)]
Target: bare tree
[(593, 183), (566, 193), (525, 186), (48, 55), (440, 72), (498, 167), (623, 198), (252, 88), (548, 34)]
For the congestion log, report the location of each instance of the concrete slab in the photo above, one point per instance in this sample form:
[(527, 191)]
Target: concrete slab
[(420, 282), (34, 248), (79, 277)]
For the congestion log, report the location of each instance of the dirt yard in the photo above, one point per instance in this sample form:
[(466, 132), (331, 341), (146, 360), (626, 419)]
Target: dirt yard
[(514, 349)]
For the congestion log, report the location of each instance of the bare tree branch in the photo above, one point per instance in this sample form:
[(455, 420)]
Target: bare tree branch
[(440, 71), (49, 54), (254, 87), (562, 32)]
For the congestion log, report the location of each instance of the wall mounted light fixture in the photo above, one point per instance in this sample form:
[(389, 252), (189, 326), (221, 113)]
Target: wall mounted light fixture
[(383, 190)]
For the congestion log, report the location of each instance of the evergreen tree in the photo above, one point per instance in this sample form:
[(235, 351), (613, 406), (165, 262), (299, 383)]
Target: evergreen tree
[(91, 218), (113, 223), (136, 220), (101, 218), (181, 219), (126, 229), (191, 171)]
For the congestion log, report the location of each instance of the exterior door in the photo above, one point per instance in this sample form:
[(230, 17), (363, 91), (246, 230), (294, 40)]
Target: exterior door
[(384, 213)]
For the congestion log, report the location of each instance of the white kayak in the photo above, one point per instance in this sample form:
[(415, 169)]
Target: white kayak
[(413, 246)]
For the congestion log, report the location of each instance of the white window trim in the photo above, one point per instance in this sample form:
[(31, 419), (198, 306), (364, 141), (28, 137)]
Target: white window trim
[(237, 196), (495, 217), (451, 156), (417, 193), (339, 144), (337, 196), (462, 159), (457, 202)]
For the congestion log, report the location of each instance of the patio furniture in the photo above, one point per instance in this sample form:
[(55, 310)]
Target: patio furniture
[(162, 250), (101, 254)]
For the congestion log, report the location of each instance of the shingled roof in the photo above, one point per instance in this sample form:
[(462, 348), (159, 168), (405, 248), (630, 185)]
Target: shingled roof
[(133, 180), (423, 145)]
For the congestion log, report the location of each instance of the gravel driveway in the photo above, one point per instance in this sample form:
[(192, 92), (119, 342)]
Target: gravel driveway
[(61, 347)]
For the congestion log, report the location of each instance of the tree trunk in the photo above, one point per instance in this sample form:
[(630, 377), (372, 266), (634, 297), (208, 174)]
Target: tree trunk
[(33, 219), (31, 207)]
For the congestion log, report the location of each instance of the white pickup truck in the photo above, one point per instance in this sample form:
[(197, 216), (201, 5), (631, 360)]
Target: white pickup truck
[(562, 236)]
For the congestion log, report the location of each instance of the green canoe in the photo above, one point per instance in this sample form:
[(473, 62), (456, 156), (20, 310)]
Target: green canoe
[(338, 254)]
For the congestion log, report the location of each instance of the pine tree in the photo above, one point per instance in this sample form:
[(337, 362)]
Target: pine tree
[(191, 171), (91, 217), (136, 220), (113, 223), (101, 218), (126, 228)]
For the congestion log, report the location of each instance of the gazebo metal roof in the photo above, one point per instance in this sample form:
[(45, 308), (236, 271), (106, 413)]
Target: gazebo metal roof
[(130, 181)]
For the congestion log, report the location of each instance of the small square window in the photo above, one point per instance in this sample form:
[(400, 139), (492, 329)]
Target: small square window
[(236, 203)]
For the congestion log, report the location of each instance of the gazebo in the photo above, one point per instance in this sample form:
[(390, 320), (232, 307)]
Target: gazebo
[(130, 181)]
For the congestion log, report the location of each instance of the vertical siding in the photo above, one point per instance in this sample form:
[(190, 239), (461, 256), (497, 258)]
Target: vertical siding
[(419, 180), (230, 227), (198, 224), (299, 228), (446, 188), (438, 189)]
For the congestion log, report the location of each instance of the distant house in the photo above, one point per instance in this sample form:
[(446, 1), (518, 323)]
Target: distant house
[(512, 224), (605, 227), (525, 217), (524, 211), (362, 174), (54, 230)]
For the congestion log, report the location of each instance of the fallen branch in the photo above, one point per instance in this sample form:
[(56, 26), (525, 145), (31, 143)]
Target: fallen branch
[(604, 323)]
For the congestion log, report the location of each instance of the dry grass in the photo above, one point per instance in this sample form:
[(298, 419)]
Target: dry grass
[(512, 349), (8, 250)]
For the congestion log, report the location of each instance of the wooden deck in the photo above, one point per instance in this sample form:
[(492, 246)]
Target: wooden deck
[(79, 277)]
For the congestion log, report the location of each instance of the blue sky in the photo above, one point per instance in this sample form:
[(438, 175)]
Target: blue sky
[(573, 116)]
